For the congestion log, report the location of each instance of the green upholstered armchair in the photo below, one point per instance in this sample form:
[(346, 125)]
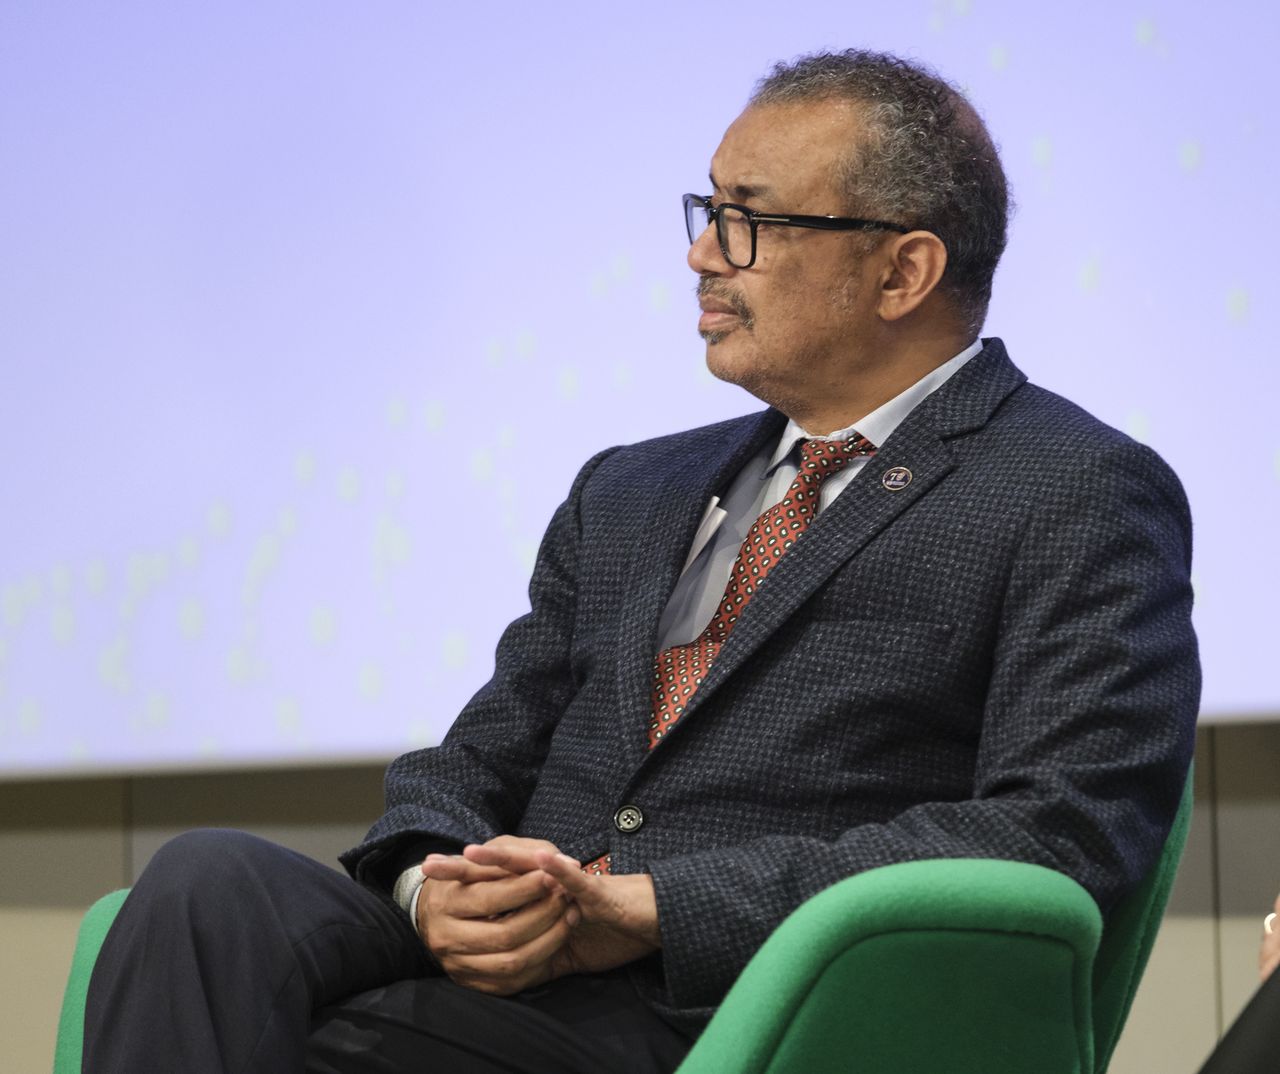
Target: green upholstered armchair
[(959, 965)]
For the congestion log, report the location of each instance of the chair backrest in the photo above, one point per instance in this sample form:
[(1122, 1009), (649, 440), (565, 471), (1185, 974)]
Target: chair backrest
[(93, 930), (1130, 931)]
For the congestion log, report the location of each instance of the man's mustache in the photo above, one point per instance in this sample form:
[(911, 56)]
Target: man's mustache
[(709, 287)]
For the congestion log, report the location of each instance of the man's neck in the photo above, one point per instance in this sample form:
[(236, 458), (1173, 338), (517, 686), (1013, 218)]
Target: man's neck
[(870, 384)]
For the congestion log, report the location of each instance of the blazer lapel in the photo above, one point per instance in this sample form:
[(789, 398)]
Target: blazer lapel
[(673, 505), (867, 506)]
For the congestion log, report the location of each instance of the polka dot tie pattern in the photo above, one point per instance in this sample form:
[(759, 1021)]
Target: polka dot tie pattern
[(679, 671)]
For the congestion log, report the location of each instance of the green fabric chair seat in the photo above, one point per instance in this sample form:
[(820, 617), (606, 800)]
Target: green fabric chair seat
[(965, 966), (984, 962)]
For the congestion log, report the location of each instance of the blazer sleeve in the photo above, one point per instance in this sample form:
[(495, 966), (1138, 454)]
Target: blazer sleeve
[(475, 785), (1087, 731)]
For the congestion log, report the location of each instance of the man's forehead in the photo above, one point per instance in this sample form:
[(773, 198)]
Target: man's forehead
[(775, 149), (740, 188)]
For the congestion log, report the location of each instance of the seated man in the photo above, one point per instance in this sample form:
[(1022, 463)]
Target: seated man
[(916, 608)]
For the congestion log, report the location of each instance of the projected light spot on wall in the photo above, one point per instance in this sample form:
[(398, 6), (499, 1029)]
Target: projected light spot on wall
[(218, 520), (304, 467), (289, 717), (481, 464), (454, 650), (370, 681), (1190, 156), (568, 383), (30, 717), (1042, 151), (433, 416), (188, 552), (191, 619), (156, 713), (62, 624), (1237, 305), (324, 625), (60, 580), (95, 577), (113, 667), (242, 665), (348, 484), (397, 413), (1090, 274), (1138, 425)]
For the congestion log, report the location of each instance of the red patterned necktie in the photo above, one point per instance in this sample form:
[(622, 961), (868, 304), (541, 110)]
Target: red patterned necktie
[(679, 671)]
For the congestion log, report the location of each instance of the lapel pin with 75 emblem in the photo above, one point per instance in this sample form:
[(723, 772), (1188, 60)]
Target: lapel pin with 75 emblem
[(896, 479)]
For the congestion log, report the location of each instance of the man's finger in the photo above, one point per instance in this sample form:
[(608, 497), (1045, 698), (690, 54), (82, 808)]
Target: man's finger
[(515, 853), (513, 859), (504, 973), (456, 867), (625, 902), (568, 874), (477, 936), (590, 892), (494, 897)]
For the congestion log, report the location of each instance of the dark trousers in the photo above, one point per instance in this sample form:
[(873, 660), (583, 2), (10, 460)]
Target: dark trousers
[(232, 954)]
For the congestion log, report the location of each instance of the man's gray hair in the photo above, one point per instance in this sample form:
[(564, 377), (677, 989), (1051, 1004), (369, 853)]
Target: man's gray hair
[(926, 160)]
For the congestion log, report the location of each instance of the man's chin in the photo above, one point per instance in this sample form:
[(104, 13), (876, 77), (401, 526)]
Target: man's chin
[(724, 363)]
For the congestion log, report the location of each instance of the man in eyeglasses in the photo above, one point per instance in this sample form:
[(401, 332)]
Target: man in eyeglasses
[(917, 608)]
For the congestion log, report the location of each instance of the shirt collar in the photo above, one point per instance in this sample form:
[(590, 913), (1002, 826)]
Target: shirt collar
[(880, 423)]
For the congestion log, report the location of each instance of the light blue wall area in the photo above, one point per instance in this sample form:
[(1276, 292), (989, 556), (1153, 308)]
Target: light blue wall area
[(309, 312)]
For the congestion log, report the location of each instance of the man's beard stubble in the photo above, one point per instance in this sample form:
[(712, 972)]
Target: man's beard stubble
[(709, 287), (751, 377), (748, 377)]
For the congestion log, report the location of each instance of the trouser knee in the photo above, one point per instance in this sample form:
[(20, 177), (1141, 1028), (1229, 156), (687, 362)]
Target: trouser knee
[(215, 869)]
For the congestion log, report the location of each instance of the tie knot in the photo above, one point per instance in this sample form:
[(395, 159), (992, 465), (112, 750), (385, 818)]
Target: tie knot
[(821, 458)]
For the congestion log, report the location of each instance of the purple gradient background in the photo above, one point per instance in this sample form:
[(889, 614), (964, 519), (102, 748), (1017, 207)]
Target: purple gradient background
[(310, 311)]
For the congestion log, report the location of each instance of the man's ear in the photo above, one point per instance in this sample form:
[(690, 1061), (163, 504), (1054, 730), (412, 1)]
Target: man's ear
[(914, 263)]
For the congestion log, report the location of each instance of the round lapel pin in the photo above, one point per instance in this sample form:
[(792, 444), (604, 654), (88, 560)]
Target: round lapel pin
[(897, 479)]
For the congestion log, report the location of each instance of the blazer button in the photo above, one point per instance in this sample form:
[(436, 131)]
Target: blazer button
[(628, 819)]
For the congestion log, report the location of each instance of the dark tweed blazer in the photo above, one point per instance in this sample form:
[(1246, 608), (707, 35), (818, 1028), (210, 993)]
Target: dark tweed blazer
[(995, 661)]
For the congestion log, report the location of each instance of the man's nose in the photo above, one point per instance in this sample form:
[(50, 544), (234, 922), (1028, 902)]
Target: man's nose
[(705, 256)]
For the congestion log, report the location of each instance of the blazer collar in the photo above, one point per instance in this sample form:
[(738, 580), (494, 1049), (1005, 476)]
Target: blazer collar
[(967, 401), (964, 404)]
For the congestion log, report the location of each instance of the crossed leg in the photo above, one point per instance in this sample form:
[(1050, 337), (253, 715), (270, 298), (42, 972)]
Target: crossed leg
[(233, 954)]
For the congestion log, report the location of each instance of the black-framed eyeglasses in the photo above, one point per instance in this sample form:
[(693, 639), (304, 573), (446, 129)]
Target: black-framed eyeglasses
[(736, 226)]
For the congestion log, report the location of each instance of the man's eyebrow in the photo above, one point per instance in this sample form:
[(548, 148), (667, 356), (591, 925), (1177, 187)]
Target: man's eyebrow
[(742, 191)]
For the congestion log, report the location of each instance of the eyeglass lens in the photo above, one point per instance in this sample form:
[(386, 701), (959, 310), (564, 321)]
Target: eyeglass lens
[(733, 229), (696, 217)]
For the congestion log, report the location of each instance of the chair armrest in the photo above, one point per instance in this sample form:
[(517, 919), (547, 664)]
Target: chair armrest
[(93, 930), (964, 964)]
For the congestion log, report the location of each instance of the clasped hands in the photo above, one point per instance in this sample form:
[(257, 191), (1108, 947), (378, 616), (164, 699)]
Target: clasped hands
[(513, 913)]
